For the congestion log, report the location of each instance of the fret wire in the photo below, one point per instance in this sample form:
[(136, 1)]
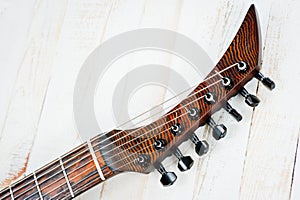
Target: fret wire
[(67, 173), (89, 184), (11, 193), (49, 170), (37, 185), (79, 183), (79, 174), (95, 160), (66, 177), (56, 167)]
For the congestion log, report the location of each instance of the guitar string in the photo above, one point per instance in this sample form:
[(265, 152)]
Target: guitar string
[(151, 129), (93, 173), (92, 182), (153, 108), (215, 74), (66, 189), (119, 126), (198, 91), (184, 106), (98, 136), (122, 145), (83, 172), (115, 170), (218, 73), (86, 156)]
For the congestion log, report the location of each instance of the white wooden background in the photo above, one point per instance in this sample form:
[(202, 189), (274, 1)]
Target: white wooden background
[(44, 43)]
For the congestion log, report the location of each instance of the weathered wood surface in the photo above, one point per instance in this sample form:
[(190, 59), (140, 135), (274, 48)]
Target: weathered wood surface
[(44, 43)]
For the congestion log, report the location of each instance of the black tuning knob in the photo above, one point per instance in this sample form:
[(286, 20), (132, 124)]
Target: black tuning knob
[(167, 178), (233, 112), (184, 162), (250, 99), (201, 147), (219, 130), (265, 80)]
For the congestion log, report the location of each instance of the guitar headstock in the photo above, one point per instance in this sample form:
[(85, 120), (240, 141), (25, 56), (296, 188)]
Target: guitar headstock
[(143, 149)]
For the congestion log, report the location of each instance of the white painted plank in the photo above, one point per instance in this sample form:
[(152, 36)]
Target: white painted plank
[(26, 102), (269, 161), (13, 39), (219, 175), (295, 193)]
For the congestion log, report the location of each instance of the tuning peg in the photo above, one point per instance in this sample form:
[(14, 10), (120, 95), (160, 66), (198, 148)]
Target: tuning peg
[(233, 112), (201, 147), (167, 178), (266, 81), (250, 99), (184, 162), (219, 130)]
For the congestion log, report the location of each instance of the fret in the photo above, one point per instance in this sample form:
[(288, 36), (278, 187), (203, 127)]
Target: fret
[(37, 185), (25, 189), (11, 193), (91, 149), (52, 181), (66, 177), (81, 169)]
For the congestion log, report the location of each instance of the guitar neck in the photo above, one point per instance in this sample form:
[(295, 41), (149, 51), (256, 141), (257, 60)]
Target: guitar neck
[(64, 178)]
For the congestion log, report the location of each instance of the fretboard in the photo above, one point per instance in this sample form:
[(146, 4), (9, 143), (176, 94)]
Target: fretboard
[(64, 178)]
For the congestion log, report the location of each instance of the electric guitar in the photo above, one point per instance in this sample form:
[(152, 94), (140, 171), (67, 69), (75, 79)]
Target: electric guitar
[(143, 149)]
